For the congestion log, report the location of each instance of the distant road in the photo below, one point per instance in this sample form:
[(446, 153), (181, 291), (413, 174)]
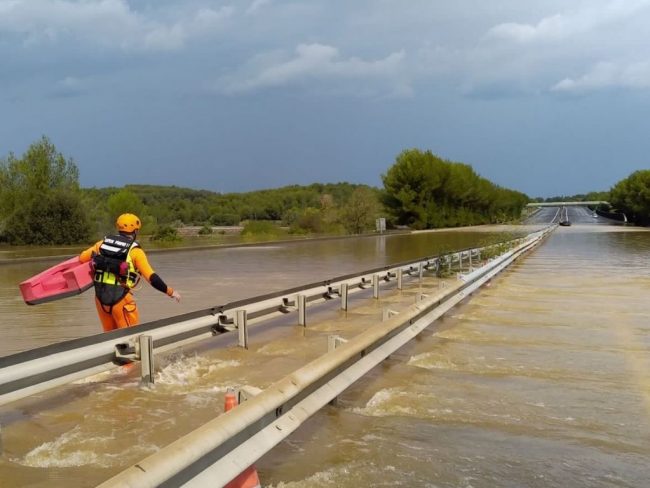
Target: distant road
[(576, 215)]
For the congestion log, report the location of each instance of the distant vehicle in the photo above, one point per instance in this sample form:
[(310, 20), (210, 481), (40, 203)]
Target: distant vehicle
[(565, 223)]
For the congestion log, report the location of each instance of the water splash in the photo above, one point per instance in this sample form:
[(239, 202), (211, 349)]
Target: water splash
[(185, 371), (389, 401), (76, 448)]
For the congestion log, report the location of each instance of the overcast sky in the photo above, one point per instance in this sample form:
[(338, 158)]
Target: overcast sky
[(547, 97)]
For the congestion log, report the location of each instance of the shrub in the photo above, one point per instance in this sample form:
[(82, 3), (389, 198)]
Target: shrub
[(224, 219), (56, 218), (166, 233), (206, 230), (261, 228)]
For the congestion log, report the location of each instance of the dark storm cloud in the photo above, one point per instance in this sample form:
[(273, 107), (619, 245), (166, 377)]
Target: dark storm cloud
[(248, 94)]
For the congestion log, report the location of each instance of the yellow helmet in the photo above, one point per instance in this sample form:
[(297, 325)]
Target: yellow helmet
[(128, 223)]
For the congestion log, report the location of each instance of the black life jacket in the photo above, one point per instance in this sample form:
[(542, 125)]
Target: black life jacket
[(115, 273)]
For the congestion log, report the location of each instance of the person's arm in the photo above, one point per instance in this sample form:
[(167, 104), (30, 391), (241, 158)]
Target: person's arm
[(141, 263), (88, 254)]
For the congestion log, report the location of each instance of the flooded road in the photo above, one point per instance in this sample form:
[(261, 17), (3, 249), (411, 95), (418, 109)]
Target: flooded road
[(539, 380), (214, 277)]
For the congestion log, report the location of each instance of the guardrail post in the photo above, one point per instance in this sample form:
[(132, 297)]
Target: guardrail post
[(344, 296), (331, 342), (420, 272), (460, 262), (387, 313), (125, 352), (302, 310), (334, 341), (375, 286), (146, 359), (246, 393), (470, 261), (241, 321), (400, 279)]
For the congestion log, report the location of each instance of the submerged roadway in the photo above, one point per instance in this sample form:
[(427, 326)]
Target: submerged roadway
[(575, 215)]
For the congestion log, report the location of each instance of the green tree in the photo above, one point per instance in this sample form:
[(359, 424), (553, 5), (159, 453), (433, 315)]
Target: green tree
[(424, 191), (632, 197), (413, 187), (124, 201), (40, 202), (56, 218), (359, 214), (310, 220)]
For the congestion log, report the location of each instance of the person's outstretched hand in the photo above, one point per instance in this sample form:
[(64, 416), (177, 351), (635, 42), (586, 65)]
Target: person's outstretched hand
[(176, 296)]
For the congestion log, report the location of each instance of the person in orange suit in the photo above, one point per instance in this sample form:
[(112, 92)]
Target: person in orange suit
[(118, 263)]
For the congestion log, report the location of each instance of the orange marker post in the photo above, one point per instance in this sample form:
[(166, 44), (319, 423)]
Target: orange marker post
[(247, 478)]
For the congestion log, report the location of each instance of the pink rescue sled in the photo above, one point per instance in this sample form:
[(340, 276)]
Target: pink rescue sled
[(63, 280)]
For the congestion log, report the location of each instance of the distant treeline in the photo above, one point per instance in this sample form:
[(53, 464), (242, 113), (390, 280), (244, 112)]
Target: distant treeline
[(175, 205), (579, 197), (41, 201)]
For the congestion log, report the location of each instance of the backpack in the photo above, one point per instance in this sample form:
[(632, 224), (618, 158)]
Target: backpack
[(111, 267)]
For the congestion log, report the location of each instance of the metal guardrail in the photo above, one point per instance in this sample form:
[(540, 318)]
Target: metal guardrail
[(40, 369), (215, 453)]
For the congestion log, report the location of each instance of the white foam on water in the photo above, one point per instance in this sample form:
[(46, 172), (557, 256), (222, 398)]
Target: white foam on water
[(325, 478), (354, 442), (384, 403), (431, 360), (76, 448), (203, 398), (350, 474), (373, 438), (96, 378), (105, 375), (185, 371), (276, 349), (440, 413)]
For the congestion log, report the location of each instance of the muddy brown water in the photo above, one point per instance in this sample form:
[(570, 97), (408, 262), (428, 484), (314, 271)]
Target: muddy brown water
[(540, 380)]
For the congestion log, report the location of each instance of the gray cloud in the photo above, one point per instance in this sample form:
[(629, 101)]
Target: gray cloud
[(318, 62), (256, 5), (294, 82), (109, 23), (69, 86), (566, 25), (608, 75), (601, 40)]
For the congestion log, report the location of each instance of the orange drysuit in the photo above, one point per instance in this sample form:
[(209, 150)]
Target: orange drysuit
[(124, 313)]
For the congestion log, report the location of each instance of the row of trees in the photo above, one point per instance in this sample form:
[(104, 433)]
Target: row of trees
[(41, 201), (169, 204), (424, 191), (579, 197)]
